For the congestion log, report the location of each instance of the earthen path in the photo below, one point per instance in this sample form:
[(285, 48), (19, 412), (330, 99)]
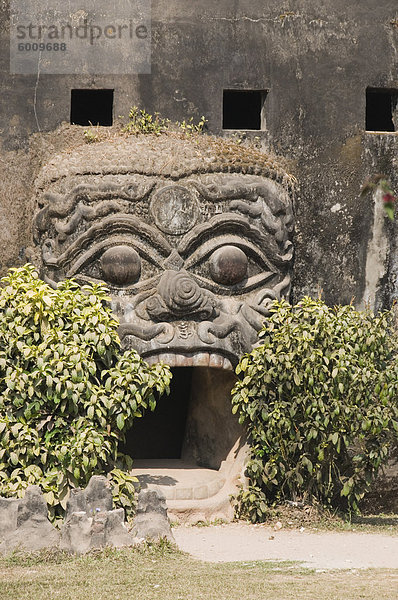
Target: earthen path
[(320, 550)]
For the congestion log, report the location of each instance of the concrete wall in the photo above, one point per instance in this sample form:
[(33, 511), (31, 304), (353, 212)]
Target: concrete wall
[(316, 59)]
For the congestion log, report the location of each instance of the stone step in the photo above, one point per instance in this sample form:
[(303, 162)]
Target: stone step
[(177, 479)]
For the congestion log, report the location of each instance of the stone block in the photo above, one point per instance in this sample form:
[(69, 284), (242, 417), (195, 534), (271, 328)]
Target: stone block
[(90, 521), (24, 523), (151, 521)]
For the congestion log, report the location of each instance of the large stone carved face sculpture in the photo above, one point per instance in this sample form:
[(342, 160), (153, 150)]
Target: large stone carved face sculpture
[(192, 240)]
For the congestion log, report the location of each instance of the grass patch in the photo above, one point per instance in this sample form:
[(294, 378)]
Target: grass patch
[(154, 572)]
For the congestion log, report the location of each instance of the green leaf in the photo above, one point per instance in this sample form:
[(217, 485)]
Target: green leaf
[(47, 300), (14, 458), (49, 498)]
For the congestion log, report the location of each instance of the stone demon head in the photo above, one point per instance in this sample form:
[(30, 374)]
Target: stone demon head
[(191, 236)]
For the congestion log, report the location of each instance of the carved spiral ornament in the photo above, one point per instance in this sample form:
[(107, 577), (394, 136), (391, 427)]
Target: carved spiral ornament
[(179, 296), (182, 294)]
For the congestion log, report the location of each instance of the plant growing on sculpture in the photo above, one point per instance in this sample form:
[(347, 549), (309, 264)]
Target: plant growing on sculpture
[(140, 121), (91, 136), (319, 399), (189, 127), (67, 393)]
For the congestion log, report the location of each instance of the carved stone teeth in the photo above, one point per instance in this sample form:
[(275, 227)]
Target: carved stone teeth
[(168, 359), (215, 360), (184, 361), (201, 359), (227, 364), (151, 360)]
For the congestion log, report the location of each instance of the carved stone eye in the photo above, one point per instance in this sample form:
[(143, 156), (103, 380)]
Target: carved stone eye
[(121, 265), (228, 265)]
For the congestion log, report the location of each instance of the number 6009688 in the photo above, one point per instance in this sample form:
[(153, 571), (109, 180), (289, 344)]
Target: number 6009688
[(41, 47)]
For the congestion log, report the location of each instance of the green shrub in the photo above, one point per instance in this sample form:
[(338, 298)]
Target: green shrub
[(319, 398), (142, 122), (67, 393)]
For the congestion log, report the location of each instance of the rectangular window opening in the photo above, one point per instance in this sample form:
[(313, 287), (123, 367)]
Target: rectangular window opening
[(92, 107), (381, 109), (243, 109)]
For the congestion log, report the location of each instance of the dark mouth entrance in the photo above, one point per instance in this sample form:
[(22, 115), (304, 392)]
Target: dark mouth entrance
[(194, 423), (160, 434)]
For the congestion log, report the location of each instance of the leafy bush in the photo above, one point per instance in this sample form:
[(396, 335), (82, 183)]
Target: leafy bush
[(67, 394), (250, 504), (319, 398)]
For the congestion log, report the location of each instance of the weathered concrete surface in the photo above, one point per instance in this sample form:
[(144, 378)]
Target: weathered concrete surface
[(151, 521), (316, 60), (96, 497), (90, 521), (24, 523), (211, 431), (83, 531)]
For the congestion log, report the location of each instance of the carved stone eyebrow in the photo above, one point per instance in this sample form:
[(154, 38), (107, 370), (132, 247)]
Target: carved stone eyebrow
[(249, 190), (112, 226), (224, 223), (107, 197), (218, 240), (87, 213)]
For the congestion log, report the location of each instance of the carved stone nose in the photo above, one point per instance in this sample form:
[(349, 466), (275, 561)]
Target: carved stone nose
[(179, 291), (179, 296)]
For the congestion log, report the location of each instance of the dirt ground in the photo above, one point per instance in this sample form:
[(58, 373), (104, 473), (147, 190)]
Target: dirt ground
[(314, 538), (319, 550)]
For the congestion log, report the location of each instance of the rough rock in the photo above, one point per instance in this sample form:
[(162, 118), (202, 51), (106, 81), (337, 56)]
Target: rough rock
[(96, 497), (90, 521), (8, 516), (81, 532), (151, 521), (24, 523)]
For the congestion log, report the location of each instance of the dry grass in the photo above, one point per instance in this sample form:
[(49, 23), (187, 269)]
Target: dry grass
[(315, 518), (164, 573)]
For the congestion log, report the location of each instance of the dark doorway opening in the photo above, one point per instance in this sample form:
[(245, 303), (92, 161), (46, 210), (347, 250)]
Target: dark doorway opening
[(160, 434), (242, 109), (380, 106), (91, 107)]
